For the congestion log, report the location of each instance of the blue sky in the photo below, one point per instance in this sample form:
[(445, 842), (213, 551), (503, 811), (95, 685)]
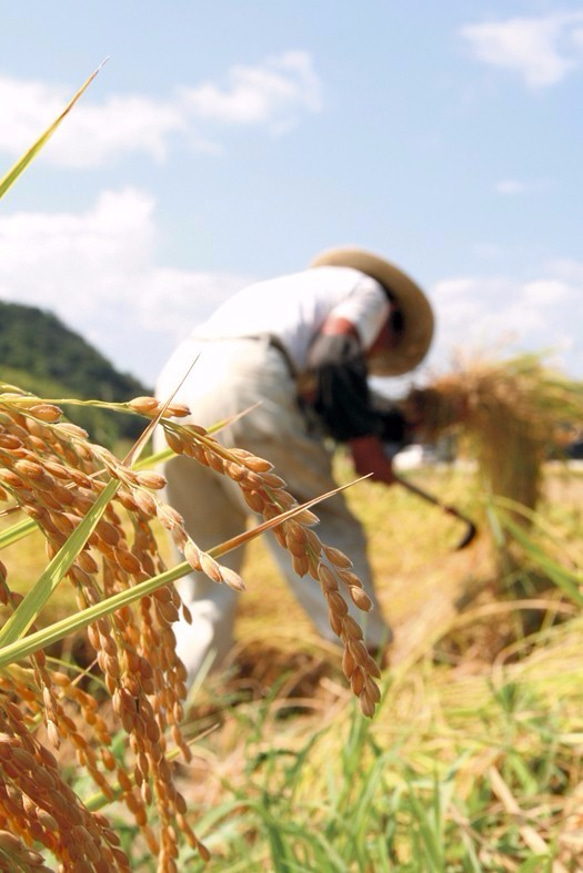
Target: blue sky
[(231, 141)]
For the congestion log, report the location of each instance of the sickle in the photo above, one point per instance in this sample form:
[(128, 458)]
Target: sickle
[(471, 531)]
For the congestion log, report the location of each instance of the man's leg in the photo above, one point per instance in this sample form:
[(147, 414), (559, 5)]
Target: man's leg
[(210, 518), (308, 474), (228, 378)]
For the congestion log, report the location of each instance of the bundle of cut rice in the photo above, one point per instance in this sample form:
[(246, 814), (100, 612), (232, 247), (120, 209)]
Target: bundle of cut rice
[(509, 414)]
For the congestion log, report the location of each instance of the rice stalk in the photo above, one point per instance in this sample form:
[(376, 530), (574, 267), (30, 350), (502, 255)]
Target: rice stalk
[(97, 515)]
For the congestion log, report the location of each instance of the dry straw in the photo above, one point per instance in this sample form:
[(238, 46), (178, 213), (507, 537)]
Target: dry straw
[(510, 414), (52, 472)]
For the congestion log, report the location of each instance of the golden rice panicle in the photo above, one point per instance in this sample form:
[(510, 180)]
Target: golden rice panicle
[(151, 407), (199, 560), (34, 686), (37, 805), (265, 493), (52, 472), (358, 665), (16, 856)]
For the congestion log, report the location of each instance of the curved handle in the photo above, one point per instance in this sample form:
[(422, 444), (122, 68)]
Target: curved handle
[(472, 530)]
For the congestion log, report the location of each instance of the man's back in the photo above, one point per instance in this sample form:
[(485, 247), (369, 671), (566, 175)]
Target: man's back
[(293, 308)]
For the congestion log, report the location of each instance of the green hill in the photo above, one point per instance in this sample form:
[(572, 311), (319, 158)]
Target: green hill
[(38, 353)]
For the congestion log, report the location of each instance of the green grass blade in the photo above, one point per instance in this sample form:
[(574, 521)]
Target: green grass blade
[(23, 162), (17, 531), (569, 581), (21, 648), (427, 827)]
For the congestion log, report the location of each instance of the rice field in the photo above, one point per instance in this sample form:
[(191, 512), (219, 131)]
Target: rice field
[(472, 761), (461, 753)]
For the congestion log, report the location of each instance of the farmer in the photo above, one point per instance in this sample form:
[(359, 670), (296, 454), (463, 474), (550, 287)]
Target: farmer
[(298, 349)]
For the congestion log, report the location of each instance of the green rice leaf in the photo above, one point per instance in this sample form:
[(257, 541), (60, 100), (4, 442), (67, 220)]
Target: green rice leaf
[(23, 162), (17, 531), (570, 581), (29, 609), (14, 649)]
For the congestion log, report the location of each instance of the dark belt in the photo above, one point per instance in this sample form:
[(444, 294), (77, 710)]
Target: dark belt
[(276, 343)]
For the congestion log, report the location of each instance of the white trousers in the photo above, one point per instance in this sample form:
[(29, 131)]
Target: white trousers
[(228, 377)]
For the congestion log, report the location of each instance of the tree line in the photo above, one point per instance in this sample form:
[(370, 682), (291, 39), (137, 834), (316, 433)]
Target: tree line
[(38, 353)]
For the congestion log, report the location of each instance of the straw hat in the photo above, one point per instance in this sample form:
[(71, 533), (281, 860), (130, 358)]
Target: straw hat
[(418, 321)]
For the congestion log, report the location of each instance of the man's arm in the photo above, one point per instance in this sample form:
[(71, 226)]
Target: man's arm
[(342, 397), (368, 456)]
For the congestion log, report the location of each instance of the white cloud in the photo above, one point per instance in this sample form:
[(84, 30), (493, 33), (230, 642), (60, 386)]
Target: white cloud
[(27, 108), (92, 133), (505, 315), (568, 270), (546, 292), (275, 95), (97, 271), (543, 51), (511, 186)]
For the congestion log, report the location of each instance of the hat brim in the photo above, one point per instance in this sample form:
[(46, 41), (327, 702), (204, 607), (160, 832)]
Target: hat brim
[(418, 320)]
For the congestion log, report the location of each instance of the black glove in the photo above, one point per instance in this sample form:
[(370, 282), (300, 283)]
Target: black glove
[(342, 395)]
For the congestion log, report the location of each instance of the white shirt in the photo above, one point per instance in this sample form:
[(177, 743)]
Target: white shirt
[(293, 308)]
